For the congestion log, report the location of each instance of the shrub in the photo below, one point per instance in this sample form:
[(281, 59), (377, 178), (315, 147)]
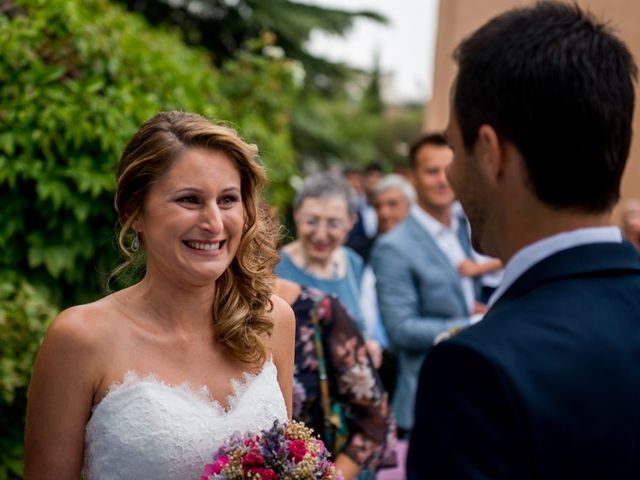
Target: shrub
[(77, 78), (24, 315)]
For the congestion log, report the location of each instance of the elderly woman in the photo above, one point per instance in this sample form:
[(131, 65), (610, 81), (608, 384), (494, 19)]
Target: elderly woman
[(324, 211)]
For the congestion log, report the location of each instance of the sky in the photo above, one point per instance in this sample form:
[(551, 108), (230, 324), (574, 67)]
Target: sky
[(406, 45)]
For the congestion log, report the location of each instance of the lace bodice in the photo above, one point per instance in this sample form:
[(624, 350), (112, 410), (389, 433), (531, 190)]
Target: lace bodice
[(144, 428)]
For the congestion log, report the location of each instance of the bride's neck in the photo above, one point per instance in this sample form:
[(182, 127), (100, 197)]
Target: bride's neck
[(176, 306)]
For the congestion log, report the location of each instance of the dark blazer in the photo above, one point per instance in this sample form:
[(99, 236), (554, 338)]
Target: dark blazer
[(358, 239), (547, 385)]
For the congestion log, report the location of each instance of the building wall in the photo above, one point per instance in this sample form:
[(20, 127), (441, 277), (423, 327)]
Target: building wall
[(458, 18)]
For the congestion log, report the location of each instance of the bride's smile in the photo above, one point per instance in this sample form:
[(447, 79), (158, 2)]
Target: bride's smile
[(192, 220)]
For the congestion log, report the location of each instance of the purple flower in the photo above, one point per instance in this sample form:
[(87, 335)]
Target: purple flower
[(272, 455)]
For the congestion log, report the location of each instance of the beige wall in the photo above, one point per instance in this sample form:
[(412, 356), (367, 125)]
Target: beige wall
[(458, 18)]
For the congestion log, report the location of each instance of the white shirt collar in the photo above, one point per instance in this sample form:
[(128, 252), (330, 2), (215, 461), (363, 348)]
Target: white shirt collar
[(528, 256), (448, 241), (430, 224)]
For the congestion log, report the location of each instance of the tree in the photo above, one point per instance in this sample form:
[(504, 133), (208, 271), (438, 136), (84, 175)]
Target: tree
[(372, 97), (224, 27), (328, 124)]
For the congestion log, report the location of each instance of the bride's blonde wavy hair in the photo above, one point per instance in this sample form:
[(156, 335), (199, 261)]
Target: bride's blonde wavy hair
[(241, 304)]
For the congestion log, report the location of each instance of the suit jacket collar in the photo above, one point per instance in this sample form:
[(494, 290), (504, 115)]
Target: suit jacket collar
[(422, 239), (583, 260), (458, 221)]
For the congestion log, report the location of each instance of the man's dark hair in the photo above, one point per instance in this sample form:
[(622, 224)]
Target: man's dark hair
[(351, 170), (559, 85), (373, 167), (437, 139)]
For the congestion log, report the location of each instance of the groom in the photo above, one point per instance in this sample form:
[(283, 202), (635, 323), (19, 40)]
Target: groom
[(547, 385)]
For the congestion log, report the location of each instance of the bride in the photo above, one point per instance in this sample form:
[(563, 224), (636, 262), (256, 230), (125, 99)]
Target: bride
[(148, 381)]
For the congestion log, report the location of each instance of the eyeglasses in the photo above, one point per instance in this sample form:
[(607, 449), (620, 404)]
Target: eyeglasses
[(332, 224)]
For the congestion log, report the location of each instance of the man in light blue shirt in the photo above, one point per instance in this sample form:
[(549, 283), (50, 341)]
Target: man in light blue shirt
[(421, 295)]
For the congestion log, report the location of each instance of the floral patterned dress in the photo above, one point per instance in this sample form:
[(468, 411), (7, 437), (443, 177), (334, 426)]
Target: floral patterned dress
[(353, 380)]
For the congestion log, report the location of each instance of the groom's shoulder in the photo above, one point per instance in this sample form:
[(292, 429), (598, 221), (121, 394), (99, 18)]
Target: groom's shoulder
[(505, 331)]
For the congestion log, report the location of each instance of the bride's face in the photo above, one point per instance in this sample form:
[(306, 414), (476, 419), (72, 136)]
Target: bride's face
[(193, 217)]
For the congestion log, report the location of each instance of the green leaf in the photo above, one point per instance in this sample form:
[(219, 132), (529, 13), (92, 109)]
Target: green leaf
[(7, 143)]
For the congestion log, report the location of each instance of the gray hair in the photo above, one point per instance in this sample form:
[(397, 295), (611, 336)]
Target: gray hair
[(393, 180), (326, 185)]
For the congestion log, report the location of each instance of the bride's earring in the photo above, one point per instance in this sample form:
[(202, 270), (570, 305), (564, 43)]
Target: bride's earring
[(135, 243)]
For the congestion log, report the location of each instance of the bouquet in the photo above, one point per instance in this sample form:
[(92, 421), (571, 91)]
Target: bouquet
[(285, 451)]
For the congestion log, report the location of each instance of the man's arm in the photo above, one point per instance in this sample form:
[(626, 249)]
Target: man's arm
[(466, 425), (399, 303)]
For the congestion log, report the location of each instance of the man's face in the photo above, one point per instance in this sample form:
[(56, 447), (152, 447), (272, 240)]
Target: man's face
[(392, 207), (432, 186), (467, 182), (355, 180)]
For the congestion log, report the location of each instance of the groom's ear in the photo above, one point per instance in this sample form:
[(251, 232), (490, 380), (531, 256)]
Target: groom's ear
[(489, 153)]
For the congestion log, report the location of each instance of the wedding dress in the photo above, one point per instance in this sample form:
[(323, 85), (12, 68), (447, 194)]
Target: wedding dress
[(144, 428)]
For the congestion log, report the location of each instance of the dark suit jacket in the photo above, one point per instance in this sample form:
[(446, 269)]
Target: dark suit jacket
[(547, 385), (358, 239)]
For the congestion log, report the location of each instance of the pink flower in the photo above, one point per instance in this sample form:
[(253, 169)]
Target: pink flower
[(220, 464), (305, 333), (346, 351), (266, 473), (324, 308), (242, 457), (251, 460), (297, 450), (214, 468)]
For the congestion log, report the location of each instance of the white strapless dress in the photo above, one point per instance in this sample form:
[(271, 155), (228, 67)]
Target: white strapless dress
[(144, 428)]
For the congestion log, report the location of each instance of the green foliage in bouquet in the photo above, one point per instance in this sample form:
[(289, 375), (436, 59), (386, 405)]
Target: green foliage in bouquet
[(77, 78), (24, 315)]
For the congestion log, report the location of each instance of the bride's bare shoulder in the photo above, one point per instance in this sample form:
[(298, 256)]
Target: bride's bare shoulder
[(284, 326), (87, 326), (282, 314), (75, 352)]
